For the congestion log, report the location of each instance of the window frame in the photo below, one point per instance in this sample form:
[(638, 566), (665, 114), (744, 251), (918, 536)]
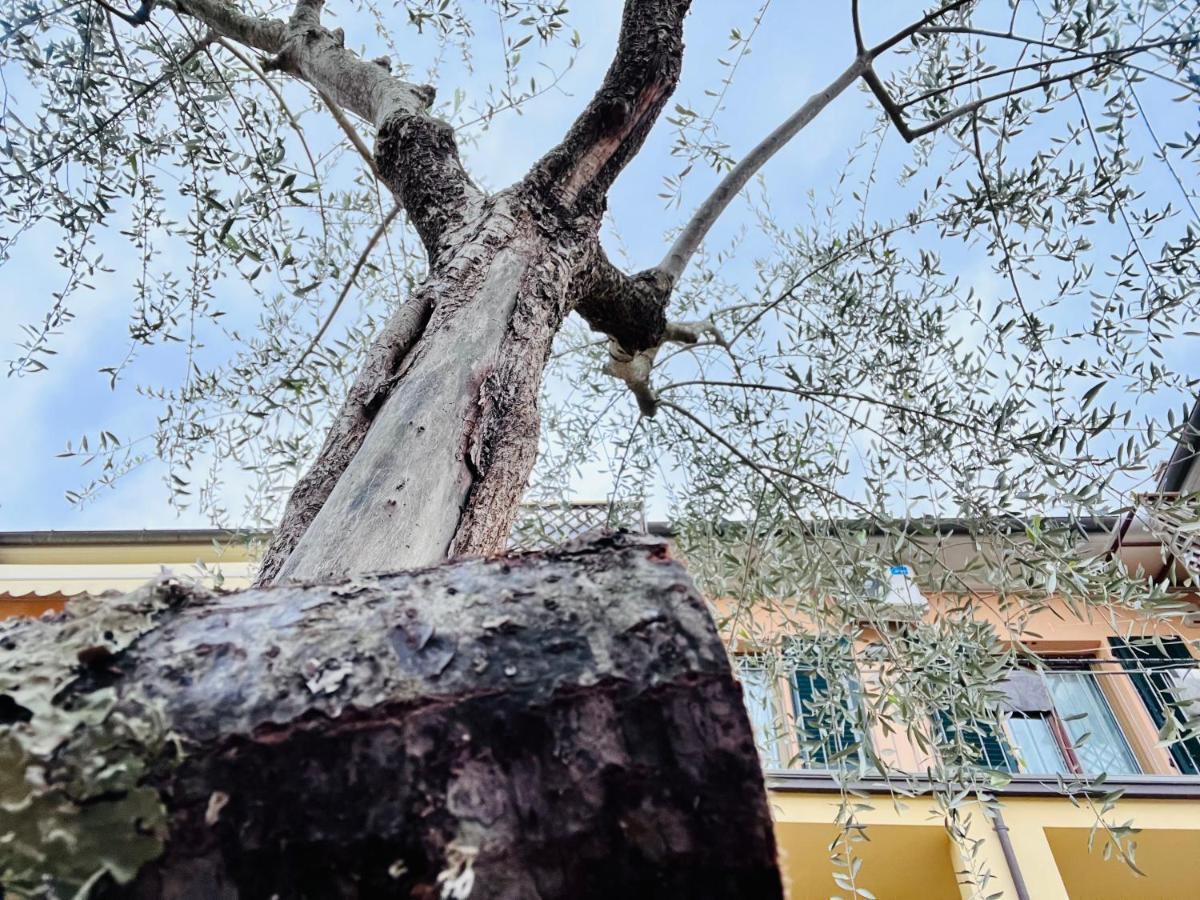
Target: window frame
[(1067, 746)]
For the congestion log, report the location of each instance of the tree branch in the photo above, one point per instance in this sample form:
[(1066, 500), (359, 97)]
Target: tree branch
[(415, 154), (375, 379), (225, 20), (350, 131), (710, 210), (630, 309), (634, 368), (613, 126), (905, 33), (337, 304), (731, 185)]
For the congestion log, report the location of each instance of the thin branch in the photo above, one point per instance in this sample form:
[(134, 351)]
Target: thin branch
[(710, 210), (1101, 55), (36, 18), (350, 131), (140, 17), (1116, 199), (911, 134), (345, 291), (838, 257), (859, 47), (763, 469), (839, 395), (993, 210), (148, 88), (1162, 152), (916, 27), (1051, 45), (292, 120)]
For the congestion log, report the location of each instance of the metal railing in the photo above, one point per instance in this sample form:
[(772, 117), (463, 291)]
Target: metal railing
[(540, 526)]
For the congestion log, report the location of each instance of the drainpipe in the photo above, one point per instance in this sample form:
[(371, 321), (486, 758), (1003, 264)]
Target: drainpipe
[(1010, 856)]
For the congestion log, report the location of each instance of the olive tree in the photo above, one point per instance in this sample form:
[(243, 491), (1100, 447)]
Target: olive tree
[(847, 374)]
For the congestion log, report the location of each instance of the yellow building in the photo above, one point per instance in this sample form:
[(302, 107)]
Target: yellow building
[(1037, 848)]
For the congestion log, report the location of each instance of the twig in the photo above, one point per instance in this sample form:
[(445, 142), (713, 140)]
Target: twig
[(710, 210), (341, 298), (351, 132)]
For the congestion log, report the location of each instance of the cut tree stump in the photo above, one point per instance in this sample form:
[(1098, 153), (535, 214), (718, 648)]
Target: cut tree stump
[(553, 725)]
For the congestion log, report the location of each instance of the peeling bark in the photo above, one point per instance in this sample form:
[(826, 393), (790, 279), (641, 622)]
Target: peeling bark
[(402, 496), (371, 387), (554, 725), (614, 125)]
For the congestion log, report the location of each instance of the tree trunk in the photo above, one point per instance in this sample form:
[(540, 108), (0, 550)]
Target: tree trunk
[(552, 725), (443, 464)]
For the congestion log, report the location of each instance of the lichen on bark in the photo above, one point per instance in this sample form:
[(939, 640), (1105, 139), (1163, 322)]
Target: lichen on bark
[(73, 806)]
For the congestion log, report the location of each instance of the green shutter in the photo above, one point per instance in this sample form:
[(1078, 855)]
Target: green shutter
[(823, 739), (1139, 659), (991, 749)]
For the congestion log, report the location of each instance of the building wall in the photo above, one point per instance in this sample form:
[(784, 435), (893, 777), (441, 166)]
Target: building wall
[(908, 852)]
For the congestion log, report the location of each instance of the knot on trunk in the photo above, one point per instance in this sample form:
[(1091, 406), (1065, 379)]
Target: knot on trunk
[(631, 310)]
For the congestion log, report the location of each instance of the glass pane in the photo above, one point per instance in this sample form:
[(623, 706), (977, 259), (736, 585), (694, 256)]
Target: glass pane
[(1098, 741), (758, 691), (1037, 750)]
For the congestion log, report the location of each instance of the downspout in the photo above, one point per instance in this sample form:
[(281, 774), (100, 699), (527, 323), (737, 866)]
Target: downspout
[(1010, 856)]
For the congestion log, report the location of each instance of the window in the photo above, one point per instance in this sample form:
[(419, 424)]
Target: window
[(1061, 722), (1166, 678), (1038, 745), (758, 693)]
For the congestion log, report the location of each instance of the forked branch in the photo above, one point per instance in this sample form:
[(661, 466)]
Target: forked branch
[(608, 309)]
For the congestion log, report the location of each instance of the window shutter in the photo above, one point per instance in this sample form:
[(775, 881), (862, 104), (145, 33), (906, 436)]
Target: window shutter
[(809, 691), (1140, 659), (991, 749)]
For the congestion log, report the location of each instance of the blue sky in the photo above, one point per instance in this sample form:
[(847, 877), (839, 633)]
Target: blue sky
[(798, 49)]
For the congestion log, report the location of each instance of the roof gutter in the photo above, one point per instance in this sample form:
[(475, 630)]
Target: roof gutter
[(140, 536)]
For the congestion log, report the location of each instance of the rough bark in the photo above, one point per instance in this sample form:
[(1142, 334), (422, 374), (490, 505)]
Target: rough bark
[(372, 385), (444, 463), (631, 310), (552, 725), (614, 125), (440, 466)]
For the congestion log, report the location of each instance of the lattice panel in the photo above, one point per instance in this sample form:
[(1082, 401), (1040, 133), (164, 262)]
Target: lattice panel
[(543, 525)]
